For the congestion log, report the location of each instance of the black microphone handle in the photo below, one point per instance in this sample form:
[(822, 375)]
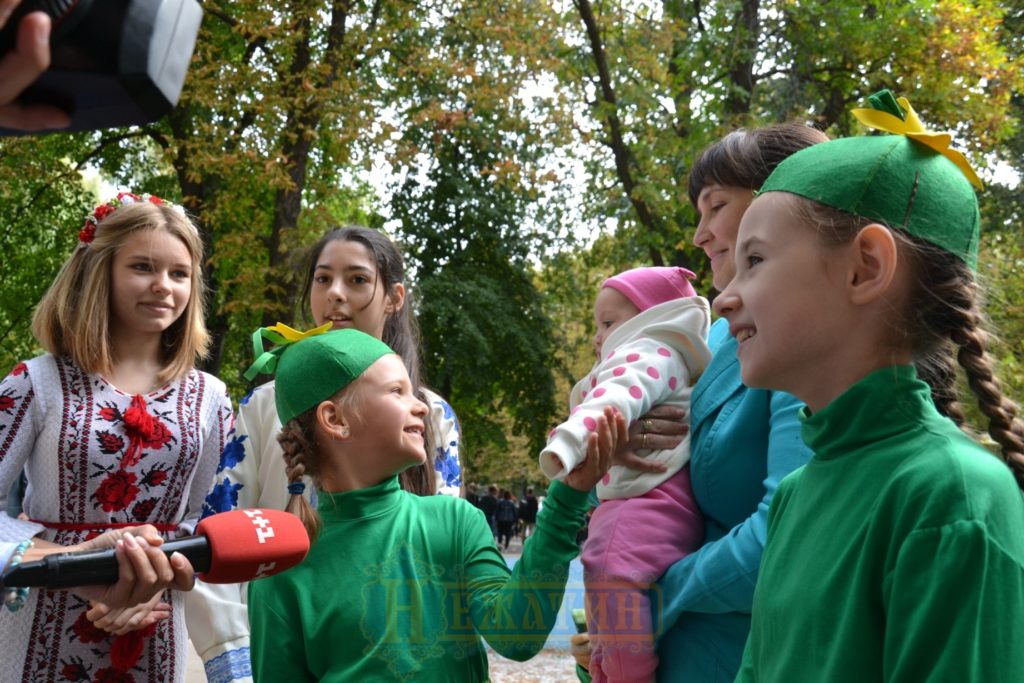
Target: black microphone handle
[(96, 568)]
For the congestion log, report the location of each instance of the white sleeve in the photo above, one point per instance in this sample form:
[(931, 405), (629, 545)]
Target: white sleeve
[(216, 614), (638, 376), (446, 441), (21, 420)]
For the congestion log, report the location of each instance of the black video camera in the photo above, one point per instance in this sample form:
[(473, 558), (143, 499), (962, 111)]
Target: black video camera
[(113, 62)]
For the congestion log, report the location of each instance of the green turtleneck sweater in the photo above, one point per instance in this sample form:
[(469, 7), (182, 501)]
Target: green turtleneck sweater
[(895, 554), (401, 587)]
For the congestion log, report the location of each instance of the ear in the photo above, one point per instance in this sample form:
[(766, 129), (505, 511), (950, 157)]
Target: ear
[(873, 260), (332, 421), (395, 299)]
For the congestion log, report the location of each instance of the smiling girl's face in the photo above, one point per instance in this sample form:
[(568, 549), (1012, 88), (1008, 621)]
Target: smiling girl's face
[(788, 304)]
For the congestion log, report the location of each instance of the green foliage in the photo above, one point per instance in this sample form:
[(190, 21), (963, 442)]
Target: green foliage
[(529, 149), (489, 343)]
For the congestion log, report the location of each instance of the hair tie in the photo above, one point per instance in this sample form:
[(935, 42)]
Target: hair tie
[(296, 488), (282, 336), (14, 598), (88, 232)]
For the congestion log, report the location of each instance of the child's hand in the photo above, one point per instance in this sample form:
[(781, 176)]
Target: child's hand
[(579, 647), (122, 620), (610, 431)]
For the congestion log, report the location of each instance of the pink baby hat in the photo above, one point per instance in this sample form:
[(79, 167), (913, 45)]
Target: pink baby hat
[(652, 285)]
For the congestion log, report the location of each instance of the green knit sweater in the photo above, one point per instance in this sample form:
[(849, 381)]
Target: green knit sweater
[(402, 587)]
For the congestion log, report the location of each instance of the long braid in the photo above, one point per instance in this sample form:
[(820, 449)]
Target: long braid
[(300, 459), (949, 309), (1004, 426), (944, 307)]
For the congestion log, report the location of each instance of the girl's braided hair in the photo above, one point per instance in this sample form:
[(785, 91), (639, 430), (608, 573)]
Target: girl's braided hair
[(944, 326)]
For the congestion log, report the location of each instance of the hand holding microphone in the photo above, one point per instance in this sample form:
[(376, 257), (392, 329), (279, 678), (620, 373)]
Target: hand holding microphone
[(230, 547)]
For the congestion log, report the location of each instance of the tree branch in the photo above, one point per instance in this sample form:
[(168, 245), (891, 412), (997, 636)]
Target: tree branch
[(624, 163)]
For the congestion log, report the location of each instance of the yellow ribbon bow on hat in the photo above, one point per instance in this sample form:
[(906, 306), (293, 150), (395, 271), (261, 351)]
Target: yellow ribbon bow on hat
[(910, 125), (283, 336)]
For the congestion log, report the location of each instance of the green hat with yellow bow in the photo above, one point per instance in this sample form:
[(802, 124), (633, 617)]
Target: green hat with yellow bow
[(314, 365), (910, 180)]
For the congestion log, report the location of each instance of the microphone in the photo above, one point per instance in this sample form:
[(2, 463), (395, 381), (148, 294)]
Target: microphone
[(229, 547)]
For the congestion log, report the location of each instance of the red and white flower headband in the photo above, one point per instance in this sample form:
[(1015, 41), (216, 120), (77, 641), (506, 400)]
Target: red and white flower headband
[(88, 232)]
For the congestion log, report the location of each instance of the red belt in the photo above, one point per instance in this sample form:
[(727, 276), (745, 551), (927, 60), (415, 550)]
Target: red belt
[(68, 526)]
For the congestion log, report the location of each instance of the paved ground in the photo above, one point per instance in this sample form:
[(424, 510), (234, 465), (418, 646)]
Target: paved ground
[(550, 666), (554, 664)]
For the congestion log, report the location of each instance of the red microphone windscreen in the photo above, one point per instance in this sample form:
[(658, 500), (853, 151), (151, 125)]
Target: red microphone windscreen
[(252, 544)]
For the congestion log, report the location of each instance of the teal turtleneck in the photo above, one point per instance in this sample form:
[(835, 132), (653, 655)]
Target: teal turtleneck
[(895, 554), (402, 587)]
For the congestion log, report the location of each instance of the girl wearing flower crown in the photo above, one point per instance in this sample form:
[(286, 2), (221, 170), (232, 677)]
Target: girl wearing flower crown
[(114, 427), (354, 278), (897, 552), (398, 586)]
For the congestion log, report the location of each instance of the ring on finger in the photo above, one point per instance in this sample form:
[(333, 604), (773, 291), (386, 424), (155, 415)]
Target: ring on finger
[(643, 440), (647, 425)]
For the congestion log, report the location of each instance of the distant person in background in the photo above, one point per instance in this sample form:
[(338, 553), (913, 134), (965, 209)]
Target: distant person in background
[(473, 496), (506, 517), (528, 512), (489, 505)]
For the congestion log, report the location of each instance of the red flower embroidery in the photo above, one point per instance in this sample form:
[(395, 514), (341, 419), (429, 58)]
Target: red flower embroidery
[(110, 443), (155, 477), (144, 431), (112, 675), (117, 491), (159, 436), (110, 414), (6, 402), (75, 671), (126, 650), (87, 632), (143, 509), (19, 369)]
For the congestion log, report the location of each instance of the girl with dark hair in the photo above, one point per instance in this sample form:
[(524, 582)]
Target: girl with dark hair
[(354, 279)]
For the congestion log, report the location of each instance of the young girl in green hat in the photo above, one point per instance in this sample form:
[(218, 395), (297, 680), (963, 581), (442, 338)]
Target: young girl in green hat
[(897, 552), (397, 586)]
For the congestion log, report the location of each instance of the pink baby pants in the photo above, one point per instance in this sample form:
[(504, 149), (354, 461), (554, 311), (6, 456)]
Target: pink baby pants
[(630, 544)]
